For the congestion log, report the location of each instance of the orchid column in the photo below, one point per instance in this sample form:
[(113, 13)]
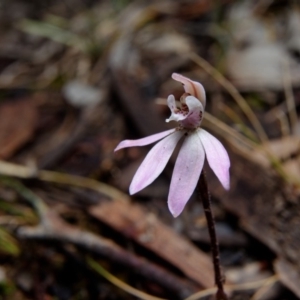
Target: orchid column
[(197, 143)]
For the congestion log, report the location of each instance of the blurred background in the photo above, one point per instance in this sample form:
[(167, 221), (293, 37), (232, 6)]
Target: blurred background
[(79, 76)]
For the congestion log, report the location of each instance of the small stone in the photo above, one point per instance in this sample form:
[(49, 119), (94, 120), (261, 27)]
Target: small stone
[(81, 95)]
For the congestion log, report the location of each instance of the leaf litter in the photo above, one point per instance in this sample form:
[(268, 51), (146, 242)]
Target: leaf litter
[(75, 79)]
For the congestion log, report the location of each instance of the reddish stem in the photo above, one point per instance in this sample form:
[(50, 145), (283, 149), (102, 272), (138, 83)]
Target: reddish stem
[(205, 196)]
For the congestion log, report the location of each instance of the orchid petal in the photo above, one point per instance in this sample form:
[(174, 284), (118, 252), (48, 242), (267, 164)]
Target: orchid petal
[(192, 87), (194, 117), (217, 157), (155, 162), (172, 103), (144, 141), (186, 173), (174, 115), (193, 103)]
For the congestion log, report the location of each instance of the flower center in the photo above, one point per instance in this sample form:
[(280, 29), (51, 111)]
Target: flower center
[(182, 107), (194, 117)]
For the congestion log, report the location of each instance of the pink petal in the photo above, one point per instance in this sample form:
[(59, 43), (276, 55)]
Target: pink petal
[(217, 157), (155, 162), (186, 173), (194, 117), (144, 141), (192, 87)]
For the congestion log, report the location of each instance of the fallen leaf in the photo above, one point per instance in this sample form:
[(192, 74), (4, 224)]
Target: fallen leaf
[(144, 228), (17, 125)]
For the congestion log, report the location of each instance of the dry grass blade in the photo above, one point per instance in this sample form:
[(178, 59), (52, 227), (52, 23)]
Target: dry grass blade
[(11, 169), (119, 283), (83, 182), (236, 287), (274, 161), (233, 92), (265, 287), (223, 128), (242, 128), (8, 244), (289, 97), (52, 32), (35, 201), (283, 120), (245, 146)]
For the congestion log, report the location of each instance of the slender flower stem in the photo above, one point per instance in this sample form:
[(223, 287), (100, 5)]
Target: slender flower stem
[(205, 196)]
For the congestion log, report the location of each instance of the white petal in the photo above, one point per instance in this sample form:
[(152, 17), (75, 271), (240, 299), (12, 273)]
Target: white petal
[(193, 103), (172, 105), (155, 162), (217, 157), (186, 173), (144, 141), (192, 87)]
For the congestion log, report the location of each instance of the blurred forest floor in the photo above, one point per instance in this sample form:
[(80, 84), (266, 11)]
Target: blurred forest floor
[(79, 76)]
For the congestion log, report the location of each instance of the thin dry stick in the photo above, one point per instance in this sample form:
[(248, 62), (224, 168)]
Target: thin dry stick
[(233, 92), (205, 196)]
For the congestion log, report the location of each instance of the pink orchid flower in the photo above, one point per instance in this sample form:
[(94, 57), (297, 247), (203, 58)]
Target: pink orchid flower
[(197, 143)]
